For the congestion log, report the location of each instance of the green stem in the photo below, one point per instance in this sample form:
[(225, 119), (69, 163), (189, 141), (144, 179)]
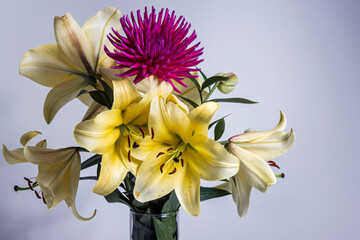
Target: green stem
[(211, 92), (224, 142)]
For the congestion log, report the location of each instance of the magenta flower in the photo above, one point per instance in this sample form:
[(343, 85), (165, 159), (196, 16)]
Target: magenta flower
[(155, 45)]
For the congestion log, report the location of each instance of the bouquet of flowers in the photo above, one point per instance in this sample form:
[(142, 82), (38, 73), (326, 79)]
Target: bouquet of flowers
[(149, 111)]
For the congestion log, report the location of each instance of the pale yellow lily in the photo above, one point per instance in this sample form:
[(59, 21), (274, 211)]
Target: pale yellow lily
[(113, 133), (59, 170), (77, 52), (178, 153), (254, 149)]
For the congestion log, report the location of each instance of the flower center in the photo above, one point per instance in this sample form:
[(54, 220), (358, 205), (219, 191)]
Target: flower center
[(175, 160), (132, 133)]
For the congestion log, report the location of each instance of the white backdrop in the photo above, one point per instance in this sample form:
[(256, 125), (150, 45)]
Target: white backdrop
[(299, 56)]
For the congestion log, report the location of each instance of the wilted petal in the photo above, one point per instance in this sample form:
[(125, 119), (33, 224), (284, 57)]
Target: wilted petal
[(211, 160), (188, 192), (73, 43), (255, 170), (61, 95), (99, 134), (47, 66), (97, 28)]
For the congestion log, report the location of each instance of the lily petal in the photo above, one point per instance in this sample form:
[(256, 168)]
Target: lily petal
[(200, 117), (154, 181), (28, 136), (15, 156), (240, 193), (61, 95), (48, 157), (125, 93), (112, 173), (97, 28), (271, 145), (211, 160), (73, 43), (255, 170), (99, 134), (188, 192), (47, 66)]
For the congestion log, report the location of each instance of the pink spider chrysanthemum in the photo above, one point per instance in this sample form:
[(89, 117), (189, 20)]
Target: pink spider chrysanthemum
[(155, 45)]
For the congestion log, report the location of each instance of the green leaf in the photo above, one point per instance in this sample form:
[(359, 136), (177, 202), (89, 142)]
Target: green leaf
[(209, 193), (91, 161), (164, 231), (108, 91), (203, 75), (117, 196), (219, 129), (89, 178), (212, 80), (89, 79), (172, 204), (197, 85), (191, 102), (233, 100), (213, 123), (100, 97)]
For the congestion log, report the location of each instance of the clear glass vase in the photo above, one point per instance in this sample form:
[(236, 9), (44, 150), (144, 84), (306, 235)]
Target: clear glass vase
[(154, 226)]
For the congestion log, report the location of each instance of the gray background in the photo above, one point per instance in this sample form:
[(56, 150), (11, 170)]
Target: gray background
[(298, 56)]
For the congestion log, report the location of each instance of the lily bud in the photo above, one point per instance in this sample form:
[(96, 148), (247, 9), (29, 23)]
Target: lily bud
[(228, 85)]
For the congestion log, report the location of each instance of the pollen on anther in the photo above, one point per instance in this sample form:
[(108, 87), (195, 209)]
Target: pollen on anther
[(273, 164), (37, 194), (161, 167), (142, 132), (159, 154), (43, 198), (182, 162), (128, 137), (174, 171), (152, 133), (170, 149), (129, 156)]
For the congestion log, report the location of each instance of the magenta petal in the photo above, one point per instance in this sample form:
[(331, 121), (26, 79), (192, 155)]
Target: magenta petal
[(155, 45)]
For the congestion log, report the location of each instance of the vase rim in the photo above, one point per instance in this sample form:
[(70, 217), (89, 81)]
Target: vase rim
[(155, 214)]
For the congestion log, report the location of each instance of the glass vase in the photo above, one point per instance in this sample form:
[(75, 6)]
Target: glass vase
[(145, 226)]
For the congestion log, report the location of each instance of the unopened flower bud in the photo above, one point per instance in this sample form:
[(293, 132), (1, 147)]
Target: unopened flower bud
[(228, 85)]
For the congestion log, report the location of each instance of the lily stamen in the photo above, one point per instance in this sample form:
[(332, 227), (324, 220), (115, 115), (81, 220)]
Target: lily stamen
[(159, 154), (37, 194), (142, 132), (129, 156), (273, 164), (43, 198), (170, 149), (174, 171), (161, 167), (182, 162), (129, 142), (152, 133)]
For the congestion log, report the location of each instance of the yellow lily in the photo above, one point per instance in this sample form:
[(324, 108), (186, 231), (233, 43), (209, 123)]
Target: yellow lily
[(113, 133), (77, 52), (178, 152), (254, 149), (59, 170)]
